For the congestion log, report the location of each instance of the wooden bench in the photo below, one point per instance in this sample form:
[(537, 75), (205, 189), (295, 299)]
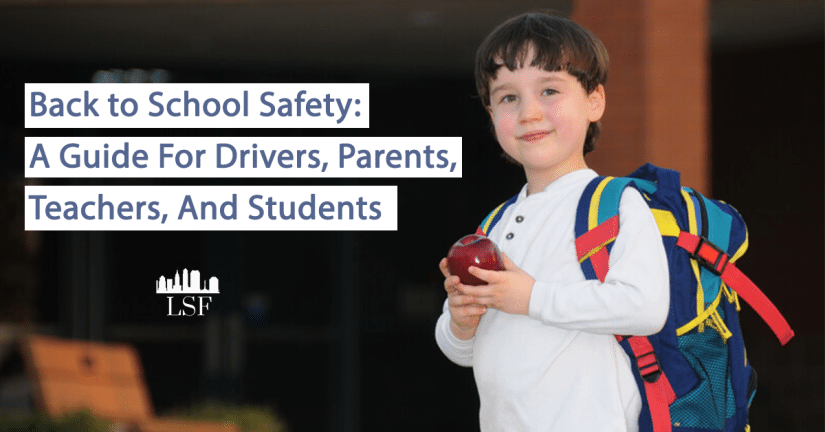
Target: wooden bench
[(107, 379)]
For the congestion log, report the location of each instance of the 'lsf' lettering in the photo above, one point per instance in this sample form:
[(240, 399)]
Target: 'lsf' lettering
[(189, 306)]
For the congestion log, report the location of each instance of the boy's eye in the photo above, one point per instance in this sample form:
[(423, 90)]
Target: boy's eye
[(548, 92), (508, 98)]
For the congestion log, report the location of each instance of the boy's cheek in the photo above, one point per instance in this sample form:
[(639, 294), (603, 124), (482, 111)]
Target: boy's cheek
[(503, 122), (501, 135)]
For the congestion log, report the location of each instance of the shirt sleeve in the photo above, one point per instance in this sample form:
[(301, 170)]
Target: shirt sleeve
[(458, 351), (635, 296)]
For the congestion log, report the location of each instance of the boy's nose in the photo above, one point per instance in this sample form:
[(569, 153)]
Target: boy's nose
[(530, 110)]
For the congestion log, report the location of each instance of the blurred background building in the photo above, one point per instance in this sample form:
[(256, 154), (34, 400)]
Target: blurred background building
[(335, 330)]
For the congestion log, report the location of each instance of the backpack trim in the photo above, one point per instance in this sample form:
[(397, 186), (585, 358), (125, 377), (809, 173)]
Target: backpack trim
[(706, 311), (494, 216)]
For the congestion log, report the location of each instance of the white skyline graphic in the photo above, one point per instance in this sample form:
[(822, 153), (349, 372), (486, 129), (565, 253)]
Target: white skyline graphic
[(191, 284)]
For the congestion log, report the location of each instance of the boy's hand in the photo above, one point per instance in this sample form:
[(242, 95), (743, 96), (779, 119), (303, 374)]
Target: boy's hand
[(507, 290), (464, 310)]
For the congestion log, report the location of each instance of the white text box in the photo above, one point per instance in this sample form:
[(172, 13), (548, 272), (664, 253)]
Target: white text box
[(197, 105), (211, 208)]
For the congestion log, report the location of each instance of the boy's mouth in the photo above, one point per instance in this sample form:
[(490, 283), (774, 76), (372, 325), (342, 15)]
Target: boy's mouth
[(534, 136)]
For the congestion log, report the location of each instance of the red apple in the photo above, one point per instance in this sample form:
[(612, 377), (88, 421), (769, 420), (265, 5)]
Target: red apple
[(473, 250)]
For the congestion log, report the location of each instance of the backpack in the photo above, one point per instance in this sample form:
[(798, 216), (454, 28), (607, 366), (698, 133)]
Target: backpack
[(693, 376)]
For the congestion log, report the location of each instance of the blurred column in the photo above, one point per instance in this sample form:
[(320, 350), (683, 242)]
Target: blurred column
[(74, 252), (224, 339), (346, 341), (657, 91), (98, 280), (86, 276)]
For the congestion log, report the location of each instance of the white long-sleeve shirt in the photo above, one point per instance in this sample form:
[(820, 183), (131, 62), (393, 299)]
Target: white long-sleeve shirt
[(560, 368)]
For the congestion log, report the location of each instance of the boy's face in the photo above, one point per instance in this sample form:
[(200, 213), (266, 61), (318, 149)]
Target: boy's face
[(541, 118)]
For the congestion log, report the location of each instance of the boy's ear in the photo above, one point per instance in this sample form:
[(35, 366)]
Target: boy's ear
[(595, 104)]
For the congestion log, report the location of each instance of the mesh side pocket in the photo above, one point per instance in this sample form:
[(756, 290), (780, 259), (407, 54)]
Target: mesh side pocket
[(711, 402)]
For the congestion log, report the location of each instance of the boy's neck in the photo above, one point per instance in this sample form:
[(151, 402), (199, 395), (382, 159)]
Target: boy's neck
[(538, 180)]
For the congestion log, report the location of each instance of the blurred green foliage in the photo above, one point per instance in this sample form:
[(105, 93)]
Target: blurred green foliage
[(77, 421), (248, 418)]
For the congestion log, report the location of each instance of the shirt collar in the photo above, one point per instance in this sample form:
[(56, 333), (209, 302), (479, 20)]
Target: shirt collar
[(561, 183)]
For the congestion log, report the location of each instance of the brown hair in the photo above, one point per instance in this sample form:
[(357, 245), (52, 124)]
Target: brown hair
[(560, 45)]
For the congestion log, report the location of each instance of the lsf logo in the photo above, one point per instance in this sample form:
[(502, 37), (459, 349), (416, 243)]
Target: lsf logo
[(199, 296)]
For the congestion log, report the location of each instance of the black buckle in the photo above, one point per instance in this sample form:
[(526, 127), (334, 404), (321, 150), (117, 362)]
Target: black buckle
[(654, 375), (712, 266)]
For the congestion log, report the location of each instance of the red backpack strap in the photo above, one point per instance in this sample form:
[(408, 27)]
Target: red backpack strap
[(659, 392), (718, 262)]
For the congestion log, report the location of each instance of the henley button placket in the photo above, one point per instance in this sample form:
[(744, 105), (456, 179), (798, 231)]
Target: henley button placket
[(509, 236)]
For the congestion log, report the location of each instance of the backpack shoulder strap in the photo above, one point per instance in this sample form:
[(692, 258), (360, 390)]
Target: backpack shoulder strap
[(597, 223), (492, 219)]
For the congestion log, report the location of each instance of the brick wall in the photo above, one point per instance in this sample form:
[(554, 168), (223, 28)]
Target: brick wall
[(658, 86)]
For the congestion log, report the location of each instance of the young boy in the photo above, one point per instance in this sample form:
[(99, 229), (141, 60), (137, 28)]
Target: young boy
[(539, 336)]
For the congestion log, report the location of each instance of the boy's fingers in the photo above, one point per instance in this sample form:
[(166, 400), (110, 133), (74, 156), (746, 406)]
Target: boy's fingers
[(481, 273), (484, 301), (472, 307), (451, 284), (477, 291), (473, 310), (461, 301), (442, 265)]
